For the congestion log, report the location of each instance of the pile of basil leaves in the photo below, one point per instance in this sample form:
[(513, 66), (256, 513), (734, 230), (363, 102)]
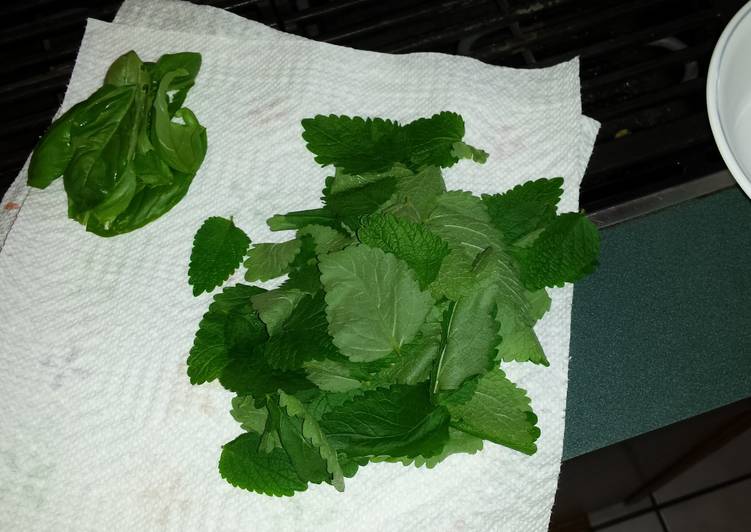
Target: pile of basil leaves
[(128, 153)]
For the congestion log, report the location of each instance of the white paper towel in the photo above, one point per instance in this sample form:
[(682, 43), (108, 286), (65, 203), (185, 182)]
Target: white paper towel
[(101, 428)]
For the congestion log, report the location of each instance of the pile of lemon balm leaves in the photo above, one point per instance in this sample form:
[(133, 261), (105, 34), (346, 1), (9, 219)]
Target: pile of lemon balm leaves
[(401, 303)]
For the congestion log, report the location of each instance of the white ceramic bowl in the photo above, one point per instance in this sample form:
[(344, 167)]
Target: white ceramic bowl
[(729, 96)]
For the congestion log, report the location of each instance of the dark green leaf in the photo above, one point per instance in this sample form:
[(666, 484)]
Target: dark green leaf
[(302, 336), (565, 252), (524, 209), (377, 423), (298, 219), (355, 145), (244, 466), (353, 204), (419, 248), (218, 248), (209, 354), (431, 140)]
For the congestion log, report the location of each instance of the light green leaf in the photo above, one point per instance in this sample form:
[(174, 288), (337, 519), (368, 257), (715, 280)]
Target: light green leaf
[(461, 220), (565, 252), (311, 431), (268, 261), (374, 303), (411, 242), (244, 466), (499, 412), (456, 277), (520, 344), (335, 374), (244, 411), (326, 239), (343, 181), (460, 150), (416, 195), (218, 248), (275, 306)]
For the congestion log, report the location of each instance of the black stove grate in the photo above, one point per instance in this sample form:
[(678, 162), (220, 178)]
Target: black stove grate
[(644, 64)]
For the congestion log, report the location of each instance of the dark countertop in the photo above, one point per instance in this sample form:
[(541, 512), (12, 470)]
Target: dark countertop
[(662, 331)]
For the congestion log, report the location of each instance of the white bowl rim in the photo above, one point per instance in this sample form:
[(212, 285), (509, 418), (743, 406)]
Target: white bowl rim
[(713, 109)]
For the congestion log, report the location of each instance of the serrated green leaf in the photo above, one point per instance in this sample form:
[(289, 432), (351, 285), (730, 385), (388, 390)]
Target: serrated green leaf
[(539, 303), (209, 354), (377, 423), (461, 220), (302, 336), (411, 242), (218, 248), (498, 411), (327, 401), (524, 209), (269, 261), (520, 344), (374, 303), (354, 144), (470, 337), (416, 195), (311, 431), (460, 150), (275, 306), (496, 271), (566, 251), (243, 466), (431, 140), (326, 239), (335, 374), (245, 412)]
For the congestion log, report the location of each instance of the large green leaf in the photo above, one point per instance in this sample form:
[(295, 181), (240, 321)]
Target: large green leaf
[(498, 411), (218, 248), (374, 303), (379, 423), (431, 140), (244, 466)]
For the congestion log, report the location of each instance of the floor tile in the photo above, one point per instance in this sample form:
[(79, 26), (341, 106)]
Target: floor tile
[(726, 510), (643, 523), (728, 462), (615, 511)]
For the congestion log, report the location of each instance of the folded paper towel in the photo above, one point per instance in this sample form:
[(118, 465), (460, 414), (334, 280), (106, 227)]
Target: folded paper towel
[(101, 427)]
